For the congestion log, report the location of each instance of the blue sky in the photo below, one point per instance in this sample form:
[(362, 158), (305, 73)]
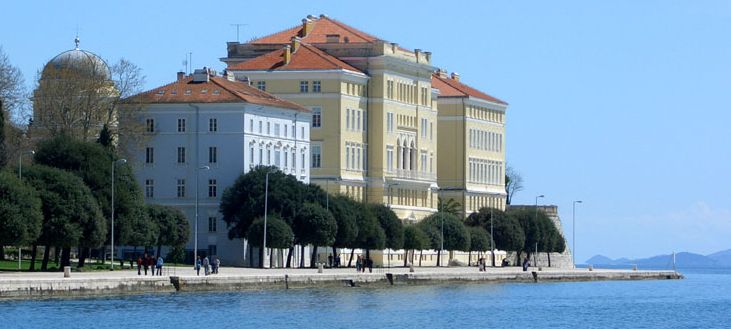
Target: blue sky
[(622, 104)]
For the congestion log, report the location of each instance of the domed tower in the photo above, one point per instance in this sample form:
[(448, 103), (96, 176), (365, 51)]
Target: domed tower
[(75, 96)]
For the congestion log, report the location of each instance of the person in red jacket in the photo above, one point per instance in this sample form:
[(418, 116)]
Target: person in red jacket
[(139, 265)]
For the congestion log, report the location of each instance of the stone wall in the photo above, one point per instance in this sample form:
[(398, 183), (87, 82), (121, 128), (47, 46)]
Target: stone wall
[(558, 260)]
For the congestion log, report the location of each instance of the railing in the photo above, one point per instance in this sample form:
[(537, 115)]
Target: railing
[(416, 175)]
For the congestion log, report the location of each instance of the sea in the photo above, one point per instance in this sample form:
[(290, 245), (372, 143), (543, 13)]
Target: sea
[(701, 300)]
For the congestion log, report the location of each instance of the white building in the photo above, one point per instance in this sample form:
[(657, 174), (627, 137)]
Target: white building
[(217, 128)]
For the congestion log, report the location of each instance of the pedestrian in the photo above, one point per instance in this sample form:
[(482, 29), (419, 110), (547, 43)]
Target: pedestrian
[(143, 260), (139, 265), (198, 266), (370, 265), (358, 264), (526, 264), (206, 265), (337, 260), (159, 265), (151, 264), (218, 264)]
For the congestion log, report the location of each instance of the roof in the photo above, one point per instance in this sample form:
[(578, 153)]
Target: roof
[(307, 57), (216, 90), (321, 28), (452, 88)]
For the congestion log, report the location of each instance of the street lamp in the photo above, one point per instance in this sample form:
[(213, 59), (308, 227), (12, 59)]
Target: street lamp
[(20, 176), (573, 231), (535, 256), (195, 231), (265, 260), (114, 165)]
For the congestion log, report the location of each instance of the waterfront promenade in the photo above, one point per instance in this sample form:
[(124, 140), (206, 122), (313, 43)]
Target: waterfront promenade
[(32, 285)]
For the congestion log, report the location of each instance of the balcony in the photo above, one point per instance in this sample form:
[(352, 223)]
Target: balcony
[(414, 175)]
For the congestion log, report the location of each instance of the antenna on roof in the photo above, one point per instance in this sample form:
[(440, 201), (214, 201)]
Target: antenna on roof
[(238, 25)]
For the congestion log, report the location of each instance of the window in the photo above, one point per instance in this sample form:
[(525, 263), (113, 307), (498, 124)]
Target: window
[(269, 156), (423, 127), (294, 160), (181, 125), (347, 156), (261, 155), (302, 133), (149, 188), (316, 86), (316, 156), (212, 154), (181, 154), (389, 122), (260, 126), (285, 159), (316, 117), (269, 128), (389, 89), (431, 130), (251, 156), (358, 121), (303, 162), (276, 129), (212, 250), (261, 85), (304, 86), (181, 188), (150, 125), (211, 224), (212, 125), (212, 188), (347, 119), (285, 131), (423, 161), (150, 155), (251, 125), (352, 118), (277, 157)]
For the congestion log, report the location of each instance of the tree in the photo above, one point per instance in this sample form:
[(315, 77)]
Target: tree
[(343, 210), (3, 149), (279, 235), (12, 86), (414, 239), (370, 234), (71, 214), (138, 229), (391, 225), (314, 225), (529, 220), (455, 235), (513, 183), (450, 206), (20, 211), (508, 234), (479, 240), (105, 137), (173, 226)]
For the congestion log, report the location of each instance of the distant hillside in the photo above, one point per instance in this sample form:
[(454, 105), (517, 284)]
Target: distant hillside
[(682, 259)]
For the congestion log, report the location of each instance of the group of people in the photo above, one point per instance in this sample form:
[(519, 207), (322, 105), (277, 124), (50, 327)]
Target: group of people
[(210, 266), (362, 263), (481, 264), (333, 261), (154, 264)]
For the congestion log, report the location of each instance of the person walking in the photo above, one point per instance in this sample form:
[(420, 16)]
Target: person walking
[(370, 265), (217, 262), (144, 260), (198, 266), (159, 265), (358, 264), (206, 265), (139, 265)]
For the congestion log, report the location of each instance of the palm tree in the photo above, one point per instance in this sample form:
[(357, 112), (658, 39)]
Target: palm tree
[(451, 206)]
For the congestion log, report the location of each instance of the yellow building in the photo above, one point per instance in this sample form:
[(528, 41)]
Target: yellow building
[(471, 145), (374, 125)]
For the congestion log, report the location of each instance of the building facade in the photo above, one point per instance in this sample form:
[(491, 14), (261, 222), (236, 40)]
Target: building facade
[(472, 145), (201, 133)]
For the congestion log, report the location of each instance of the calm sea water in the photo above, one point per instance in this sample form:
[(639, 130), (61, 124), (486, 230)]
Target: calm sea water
[(702, 300)]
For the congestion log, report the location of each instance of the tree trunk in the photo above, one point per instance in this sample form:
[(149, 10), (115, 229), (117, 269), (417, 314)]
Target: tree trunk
[(335, 256), (469, 257), (261, 257), (406, 256), (548, 254), (518, 261), (2, 252), (492, 254), (65, 257), (83, 255), (439, 256), (46, 255), (302, 256), (251, 256), (368, 254), (289, 257), (271, 257), (56, 255), (352, 253), (421, 255), (313, 259), (34, 250)]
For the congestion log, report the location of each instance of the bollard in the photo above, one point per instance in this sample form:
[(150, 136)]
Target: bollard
[(591, 268), (319, 267), (67, 271), (411, 268)]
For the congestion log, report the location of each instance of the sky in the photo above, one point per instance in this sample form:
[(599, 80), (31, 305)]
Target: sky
[(621, 104)]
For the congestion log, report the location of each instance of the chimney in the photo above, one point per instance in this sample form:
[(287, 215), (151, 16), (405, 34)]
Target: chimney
[(455, 76), (287, 54), (201, 75), (306, 27), (295, 44), (394, 46), (417, 52), (428, 56), (442, 73), (181, 75)]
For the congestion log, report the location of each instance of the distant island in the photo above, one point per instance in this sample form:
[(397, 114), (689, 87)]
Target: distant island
[(721, 259)]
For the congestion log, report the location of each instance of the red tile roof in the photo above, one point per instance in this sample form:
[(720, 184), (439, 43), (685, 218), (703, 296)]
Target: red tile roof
[(217, 90), (306, 57), (321, 28), (452, 88)]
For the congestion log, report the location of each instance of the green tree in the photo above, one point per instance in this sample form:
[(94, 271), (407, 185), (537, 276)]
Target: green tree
[(508, 235), (20, 211), (455, 235), (279, 234), (138, 230), (391, 225), (414, 239), (173, 227), (105, 137), (450, 206), (370, 234), (71, 215), (314, 225), (479, 240), (529, 220), (343, 210)]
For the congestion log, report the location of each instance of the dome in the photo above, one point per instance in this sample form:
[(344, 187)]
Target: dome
[(79, 61)]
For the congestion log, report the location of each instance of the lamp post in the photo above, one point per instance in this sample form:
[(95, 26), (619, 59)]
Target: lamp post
[(114, 165), (266, 205), (492, 239), (573, 231), (441, 248), (195, 230), (20, 176), (535, 256)]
